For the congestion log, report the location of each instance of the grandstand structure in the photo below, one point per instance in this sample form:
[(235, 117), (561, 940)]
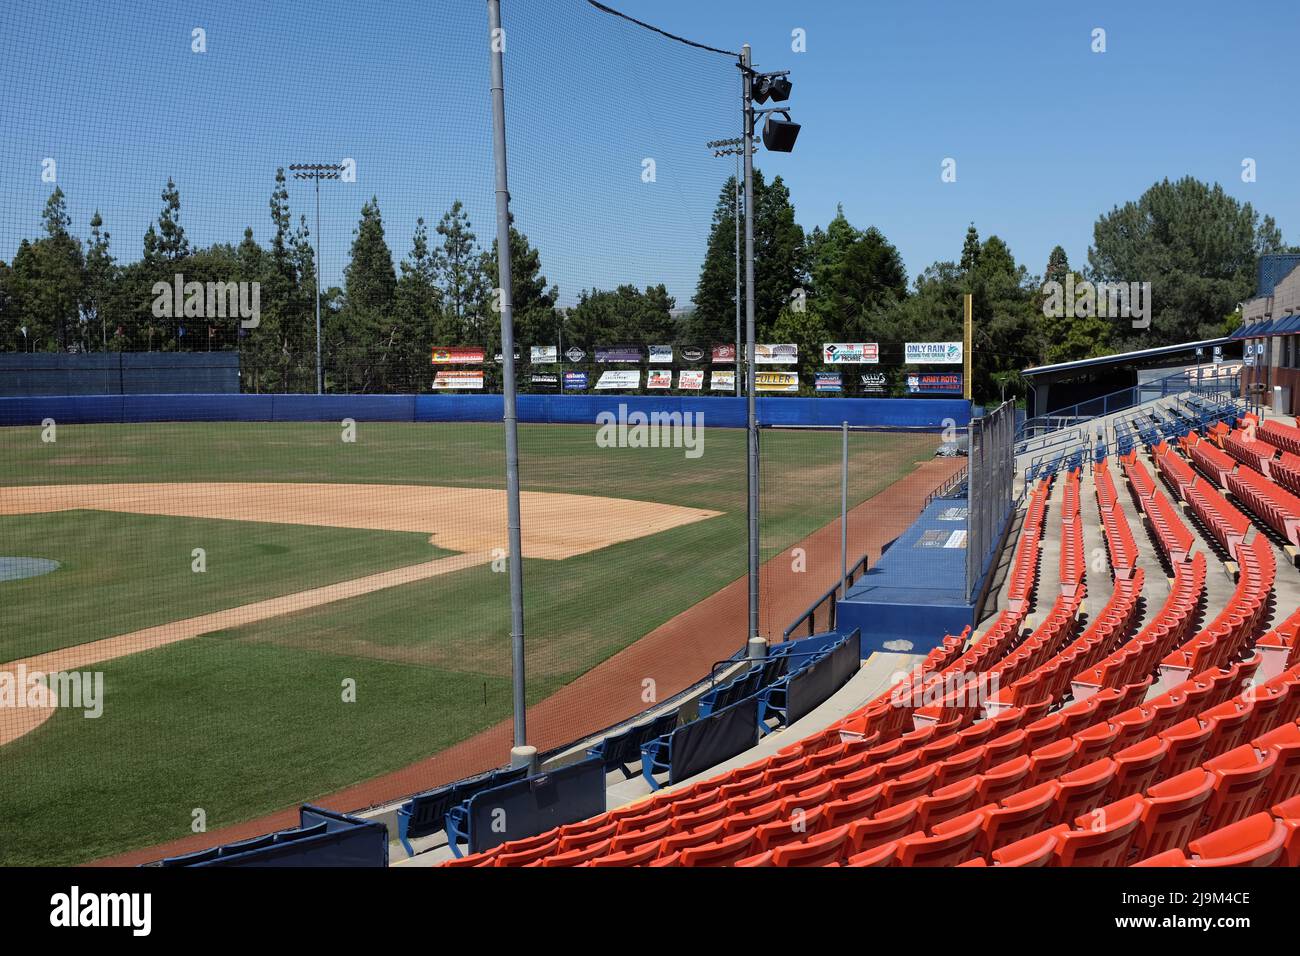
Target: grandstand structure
[(1132, 699)]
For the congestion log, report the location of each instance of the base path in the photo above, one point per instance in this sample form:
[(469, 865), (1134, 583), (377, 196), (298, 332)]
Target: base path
[(674, 655)]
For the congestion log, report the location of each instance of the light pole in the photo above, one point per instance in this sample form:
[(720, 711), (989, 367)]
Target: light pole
[(734, 147), (778, 136), (520, 754), (317, 172)]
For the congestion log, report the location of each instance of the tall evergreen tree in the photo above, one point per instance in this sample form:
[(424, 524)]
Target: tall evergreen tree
[(101, 273)]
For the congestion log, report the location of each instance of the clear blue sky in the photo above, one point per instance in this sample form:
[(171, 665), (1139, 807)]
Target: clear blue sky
[(1046, 134)]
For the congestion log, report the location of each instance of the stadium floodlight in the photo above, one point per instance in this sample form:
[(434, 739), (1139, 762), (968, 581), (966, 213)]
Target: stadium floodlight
[(317, 172), (779, 134)]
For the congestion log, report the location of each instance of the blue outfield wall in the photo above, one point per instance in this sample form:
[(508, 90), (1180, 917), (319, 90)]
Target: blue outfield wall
[(718, 412)]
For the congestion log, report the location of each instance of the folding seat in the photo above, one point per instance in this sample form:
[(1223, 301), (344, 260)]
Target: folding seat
[(1166, 859), (639, 856), (1095, 742), (1173, 811), (817, 850), (785, 771), (1136, 766), (577, 857), (1257, 840), (724, 851), (1037, 849), (1288, 812), (1079, 715), (706, 833), (1187, 743), (1003, 780), (754, 798), (751, 818), (634, 838), (974, 735), (1231, 721), (857, 805), (1082, 789), (1269, 704), (945, 849), (1007, 721), (849, 782), (1133, 695), (909, 785), (802, 781), (960, 766), (685, 822), (900, 764), (1020, 815), (1103, 836), (885, 827), (944, 803), (1241, 775), (1004, 747), (629, 820), (851, 763), (884, 855), (1050, 760), (1285, 781), (940, 749), (1168, 710), (1134, 724), (788, 830), (578, 835), (526, 856), (1035, 711)]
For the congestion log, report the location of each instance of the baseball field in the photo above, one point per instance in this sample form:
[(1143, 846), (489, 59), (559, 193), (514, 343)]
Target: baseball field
[(278, 612)]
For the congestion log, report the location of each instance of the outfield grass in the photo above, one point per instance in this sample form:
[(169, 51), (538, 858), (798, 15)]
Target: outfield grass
[(248, 721)]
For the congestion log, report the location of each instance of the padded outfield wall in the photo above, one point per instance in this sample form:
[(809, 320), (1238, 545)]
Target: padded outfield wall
[(884, 413)]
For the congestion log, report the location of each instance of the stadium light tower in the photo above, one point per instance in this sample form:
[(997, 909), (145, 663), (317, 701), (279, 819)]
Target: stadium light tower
[(778, 136), (317, 172), (734, 147)]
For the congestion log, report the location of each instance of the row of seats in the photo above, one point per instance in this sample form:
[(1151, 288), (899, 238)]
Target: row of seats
[(1052, 679), (1286, 472), (1207, 457), (1265, 839), (1226, 524), (1169, 628), (1120, 542), (1236, 623), (1280, 435), (1172, 535), (1243, 446), (1024, 570), (1274, 505)]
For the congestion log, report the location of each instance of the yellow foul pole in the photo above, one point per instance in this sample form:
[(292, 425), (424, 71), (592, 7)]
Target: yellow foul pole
[(965, 350)]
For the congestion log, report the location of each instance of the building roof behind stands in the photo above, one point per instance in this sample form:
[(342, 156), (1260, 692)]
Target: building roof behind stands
[(1123, 357)]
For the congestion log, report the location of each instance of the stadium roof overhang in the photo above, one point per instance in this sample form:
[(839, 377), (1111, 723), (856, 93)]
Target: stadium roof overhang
[(1123, 358)]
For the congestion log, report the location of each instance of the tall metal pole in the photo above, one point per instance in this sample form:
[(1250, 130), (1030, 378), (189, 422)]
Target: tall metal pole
[(320, 375), (737, 365), (844, 514), (521, 754), (751, 411)]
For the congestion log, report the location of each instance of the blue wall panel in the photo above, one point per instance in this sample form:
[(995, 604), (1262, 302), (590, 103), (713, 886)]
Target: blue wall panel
[(718, 412)]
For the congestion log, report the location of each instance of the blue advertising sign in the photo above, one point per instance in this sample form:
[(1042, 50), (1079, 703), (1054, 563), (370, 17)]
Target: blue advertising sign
[(935, 383), (575, 381)]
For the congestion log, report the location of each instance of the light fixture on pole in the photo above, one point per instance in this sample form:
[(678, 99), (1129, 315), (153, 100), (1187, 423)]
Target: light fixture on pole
[(734, 147), (317, 172)]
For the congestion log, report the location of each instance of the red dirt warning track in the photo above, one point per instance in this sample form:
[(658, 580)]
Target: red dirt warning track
[(674, 656)]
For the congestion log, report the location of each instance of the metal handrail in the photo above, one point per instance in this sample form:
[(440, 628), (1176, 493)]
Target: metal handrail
[(810, 615)]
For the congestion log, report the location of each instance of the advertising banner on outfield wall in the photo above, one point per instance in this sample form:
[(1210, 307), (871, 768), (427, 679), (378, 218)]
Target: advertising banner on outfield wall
[(724, 355), (875, 383), (548, 381), (661, 353), (618, 355), (448, 379), (932, 353), (659, 378), (500, 357), (722, 382), (934, 383), (690, 379), (829, 382), (458, 355), (620, 379), (545, 354), (776, 381), (850, 353), (784, 354), (575, 381)]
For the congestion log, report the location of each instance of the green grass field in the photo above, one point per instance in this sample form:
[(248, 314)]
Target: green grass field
[(250, 720)]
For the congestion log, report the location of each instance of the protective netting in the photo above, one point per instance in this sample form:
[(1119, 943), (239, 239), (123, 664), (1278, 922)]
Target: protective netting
[(234, 616)]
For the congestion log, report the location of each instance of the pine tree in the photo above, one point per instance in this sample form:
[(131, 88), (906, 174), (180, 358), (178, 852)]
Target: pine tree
[(172, 244), (101, 271), (970, 250)]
